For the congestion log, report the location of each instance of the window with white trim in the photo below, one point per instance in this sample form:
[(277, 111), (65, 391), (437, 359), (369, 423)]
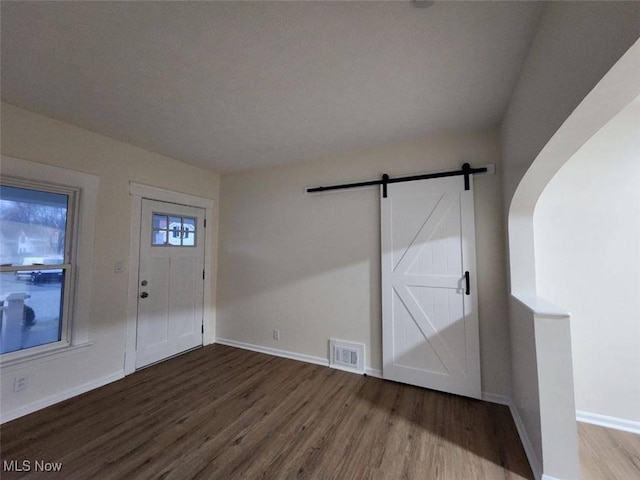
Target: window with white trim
[(75, 246), (37, 256)]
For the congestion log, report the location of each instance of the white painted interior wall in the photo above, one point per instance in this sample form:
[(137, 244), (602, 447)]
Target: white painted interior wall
[(34, 137), (309, 265), (587, 238), (575, 46)]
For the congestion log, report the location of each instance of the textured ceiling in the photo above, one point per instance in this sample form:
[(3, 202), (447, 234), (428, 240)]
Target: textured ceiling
[(236, 85)]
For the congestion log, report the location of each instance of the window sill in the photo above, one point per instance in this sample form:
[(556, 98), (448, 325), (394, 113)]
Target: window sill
[(35, 358)]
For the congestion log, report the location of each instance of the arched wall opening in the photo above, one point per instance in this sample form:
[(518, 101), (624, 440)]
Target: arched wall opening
[(542, 372), (587, 253)]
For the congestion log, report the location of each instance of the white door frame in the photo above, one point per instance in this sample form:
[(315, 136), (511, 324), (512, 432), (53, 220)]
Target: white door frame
[(138, 192)]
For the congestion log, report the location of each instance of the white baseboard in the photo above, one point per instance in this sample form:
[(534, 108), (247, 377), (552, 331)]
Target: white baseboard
[(373, 372), (549, 477), (59, 397), (302, 357), (630, 426), (496, 398), (534, 461)]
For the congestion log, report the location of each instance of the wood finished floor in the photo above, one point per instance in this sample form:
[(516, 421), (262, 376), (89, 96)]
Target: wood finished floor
[(607, 454), (223, 413)]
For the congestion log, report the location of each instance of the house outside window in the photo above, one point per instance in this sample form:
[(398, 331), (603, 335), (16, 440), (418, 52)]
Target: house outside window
[(37, 252), (46, 260)]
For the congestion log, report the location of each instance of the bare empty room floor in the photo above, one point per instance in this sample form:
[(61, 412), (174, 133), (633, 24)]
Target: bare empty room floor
[(221, 412), (607, 454)]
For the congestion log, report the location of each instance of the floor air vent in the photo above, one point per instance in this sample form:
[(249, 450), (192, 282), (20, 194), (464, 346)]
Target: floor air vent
[(347, 356)]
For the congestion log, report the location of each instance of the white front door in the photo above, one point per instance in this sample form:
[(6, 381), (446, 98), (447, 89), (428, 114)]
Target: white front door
[(429, 309), (171, 281)]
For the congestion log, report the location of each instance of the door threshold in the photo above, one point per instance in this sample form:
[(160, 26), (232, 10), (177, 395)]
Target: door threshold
[(168, 358)]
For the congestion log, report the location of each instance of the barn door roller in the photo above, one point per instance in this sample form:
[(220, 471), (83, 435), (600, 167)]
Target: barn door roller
[(465, 171)]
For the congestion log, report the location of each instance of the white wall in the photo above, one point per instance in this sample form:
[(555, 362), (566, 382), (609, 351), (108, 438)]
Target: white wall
[(576, 44), (309, 265), (525, 391), (40, 139), (587, 236)]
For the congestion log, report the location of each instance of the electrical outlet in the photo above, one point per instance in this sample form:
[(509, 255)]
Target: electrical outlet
[(20, 383), (276, 334)]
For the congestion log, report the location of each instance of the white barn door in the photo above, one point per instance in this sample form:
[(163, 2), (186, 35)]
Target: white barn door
[(429, 309), (170, 282)]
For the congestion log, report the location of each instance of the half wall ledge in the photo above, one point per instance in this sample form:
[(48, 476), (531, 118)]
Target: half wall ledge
[(540, 306), (549, 423)]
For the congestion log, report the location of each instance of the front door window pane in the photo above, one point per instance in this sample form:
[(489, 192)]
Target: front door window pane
[(159, 237), (172, 230), (188, 231), (159, 221)]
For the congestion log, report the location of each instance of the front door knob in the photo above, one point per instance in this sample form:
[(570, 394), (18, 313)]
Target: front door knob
[(144, 295)]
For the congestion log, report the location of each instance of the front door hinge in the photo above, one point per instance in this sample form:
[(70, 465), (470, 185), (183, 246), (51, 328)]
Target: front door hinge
[(203, 274), (205, 223)]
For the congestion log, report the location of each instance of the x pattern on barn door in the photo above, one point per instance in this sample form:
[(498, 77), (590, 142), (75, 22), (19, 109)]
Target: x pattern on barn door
[(430, 325)]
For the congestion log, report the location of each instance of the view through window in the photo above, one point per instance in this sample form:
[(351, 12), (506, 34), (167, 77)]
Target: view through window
[(170, 230), (35, 272)]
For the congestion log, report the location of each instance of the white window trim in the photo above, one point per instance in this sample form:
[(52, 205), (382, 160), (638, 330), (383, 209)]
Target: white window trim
[(139, 192), (68, 265), (79, 313)]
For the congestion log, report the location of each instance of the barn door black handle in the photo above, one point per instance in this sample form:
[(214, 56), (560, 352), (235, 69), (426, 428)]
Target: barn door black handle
[(467, 281)]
